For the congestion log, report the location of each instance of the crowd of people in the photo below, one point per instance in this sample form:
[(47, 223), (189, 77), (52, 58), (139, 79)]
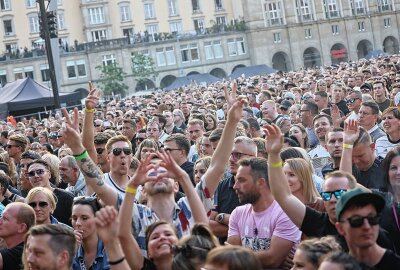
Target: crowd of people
[(296, 170)]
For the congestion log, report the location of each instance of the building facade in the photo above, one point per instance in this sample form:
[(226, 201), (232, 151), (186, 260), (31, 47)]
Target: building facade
[(193, 36)]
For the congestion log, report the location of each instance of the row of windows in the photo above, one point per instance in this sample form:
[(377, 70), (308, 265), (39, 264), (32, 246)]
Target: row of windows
[(274, 10), (6, 4), (75, 69), (387, 23), (190, 52), (34, 27)]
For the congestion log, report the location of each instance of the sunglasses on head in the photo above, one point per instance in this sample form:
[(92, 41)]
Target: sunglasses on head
[(358, 221), (327, 195), (117, 151), (100, 150), (40, 204), (36, 172)]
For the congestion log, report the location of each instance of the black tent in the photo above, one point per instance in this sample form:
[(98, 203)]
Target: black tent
[(26, 96), (252, 71), (189, 79)]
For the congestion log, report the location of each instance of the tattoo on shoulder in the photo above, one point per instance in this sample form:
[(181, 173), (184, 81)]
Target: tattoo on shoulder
[(90, 170)]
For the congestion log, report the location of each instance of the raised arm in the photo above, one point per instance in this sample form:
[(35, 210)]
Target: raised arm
[(292, 206), (128, 242), (107, 229), (176, 172), (221, 154), (350, 136), (88, 128), (93, 175)]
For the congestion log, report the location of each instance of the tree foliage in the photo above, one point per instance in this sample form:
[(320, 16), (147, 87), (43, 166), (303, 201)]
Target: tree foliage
[(112, 79), (143, 68)]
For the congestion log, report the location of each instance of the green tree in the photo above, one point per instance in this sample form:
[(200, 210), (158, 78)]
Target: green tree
[(112, 79), (143, 70)]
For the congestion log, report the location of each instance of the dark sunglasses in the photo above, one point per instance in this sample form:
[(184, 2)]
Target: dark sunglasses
[(40, 204), (351, 100), (305, 97), (36, 172), (140, 139), (358, 221), (117, 151), (100, 150), (327, 195)]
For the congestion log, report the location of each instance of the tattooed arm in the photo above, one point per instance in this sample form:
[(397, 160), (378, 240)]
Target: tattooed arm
[(93, 175)]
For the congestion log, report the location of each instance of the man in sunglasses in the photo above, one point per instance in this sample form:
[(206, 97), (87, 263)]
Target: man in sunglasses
[(15, 147), (100, 141), (353, 101), (358, 216)]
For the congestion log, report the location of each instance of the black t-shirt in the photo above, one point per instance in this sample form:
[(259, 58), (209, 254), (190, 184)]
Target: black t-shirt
[(389, 261), (63, 209), (12, 257), (188, 168), (317, 224), (388, 222), (384, 105), (343, 107), (373, 177), (148, 265)]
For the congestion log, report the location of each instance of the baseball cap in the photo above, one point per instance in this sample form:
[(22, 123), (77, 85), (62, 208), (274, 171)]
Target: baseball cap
[(359, 196), (285, 104)]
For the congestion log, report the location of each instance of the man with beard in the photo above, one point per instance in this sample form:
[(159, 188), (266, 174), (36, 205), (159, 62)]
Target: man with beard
[(160, 192), (260, 224), (319, 156), (50, 247)]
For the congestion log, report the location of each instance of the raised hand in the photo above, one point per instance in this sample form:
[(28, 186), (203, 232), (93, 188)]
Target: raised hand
[(236, 110), (140, 177), (351, 132), (230, 97), (173, 169), (274, 141), (93, 98), (335, 114), (107, 224), (70, 133)]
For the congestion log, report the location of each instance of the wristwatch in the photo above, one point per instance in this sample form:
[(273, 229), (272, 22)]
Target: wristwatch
[(220, 218)]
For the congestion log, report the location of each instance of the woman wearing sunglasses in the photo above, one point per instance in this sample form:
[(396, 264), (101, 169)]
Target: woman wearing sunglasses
[(90, 253), (43, 203)]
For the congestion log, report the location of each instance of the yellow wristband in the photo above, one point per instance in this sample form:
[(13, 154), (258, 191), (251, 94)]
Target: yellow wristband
[(130, 190), (89, 111), (347, 146), (277, 165)]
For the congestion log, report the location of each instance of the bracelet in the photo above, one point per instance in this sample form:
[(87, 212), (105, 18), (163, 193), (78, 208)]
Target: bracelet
[(277, 165), (89, 110), (116, 262), (347, 146), (81, 156), (130, 190)]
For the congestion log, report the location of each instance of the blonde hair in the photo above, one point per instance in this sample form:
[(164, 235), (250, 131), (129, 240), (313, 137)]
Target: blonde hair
[(303, 170), (54, 163), (51, 198)]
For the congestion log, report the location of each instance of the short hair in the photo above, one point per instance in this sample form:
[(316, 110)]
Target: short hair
[(315, 248), (318, 116), (51, 198), (20, 140), (5, 180), (371, 104), (254, 124), (345, 260), (363, 138), (258, 166), (234, 257), (25, 215), (246, 140), (61, 239), (215, 135), (351, 180), (161, 119), (118, 138), (4, 133), (40, 161), (357, 93), (101, 138), (322, 94), (181, 141), (196, 122), (313, 107), (130, 122), (71, 162)]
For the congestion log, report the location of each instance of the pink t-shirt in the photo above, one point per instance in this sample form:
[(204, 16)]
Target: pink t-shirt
[(257, 228)]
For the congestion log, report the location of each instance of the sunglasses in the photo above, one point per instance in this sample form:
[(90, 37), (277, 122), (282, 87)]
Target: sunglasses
[(305, 97), (237, 155), (351, 100), (40, 204), (327, 195), (117, 151), (358, 221), (100, 150), (36, 172)]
